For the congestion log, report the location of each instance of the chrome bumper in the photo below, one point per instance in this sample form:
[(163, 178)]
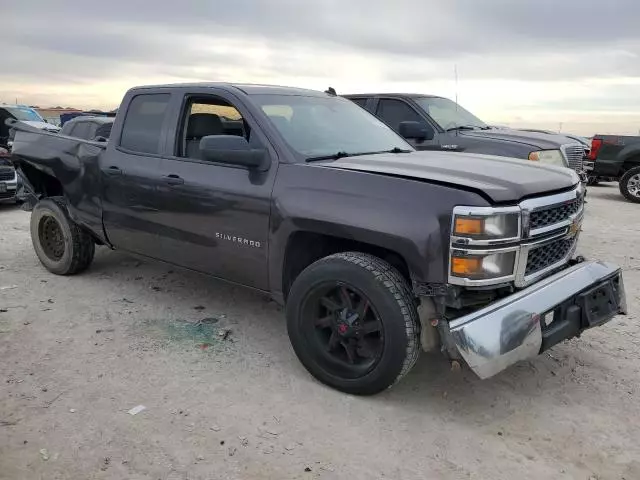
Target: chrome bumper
[(510, 330)]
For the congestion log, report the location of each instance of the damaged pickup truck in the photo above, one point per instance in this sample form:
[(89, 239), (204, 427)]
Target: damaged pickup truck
[(377, 250)]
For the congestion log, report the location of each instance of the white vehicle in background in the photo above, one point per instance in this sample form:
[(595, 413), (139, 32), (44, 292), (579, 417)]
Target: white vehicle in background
[(24, 114), (10, 182)]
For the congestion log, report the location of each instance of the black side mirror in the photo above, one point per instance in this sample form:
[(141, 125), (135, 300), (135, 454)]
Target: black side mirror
[(416, 130), (233, 150)]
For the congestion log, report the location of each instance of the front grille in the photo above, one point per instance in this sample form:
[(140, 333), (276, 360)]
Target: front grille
[(548, 255), (575, 156), (554, 214), (7, 174)]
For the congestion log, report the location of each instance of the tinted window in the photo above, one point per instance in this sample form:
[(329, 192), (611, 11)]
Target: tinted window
[(392, 112), (360, 101), (82, 130), (143, 123), (104, 130)]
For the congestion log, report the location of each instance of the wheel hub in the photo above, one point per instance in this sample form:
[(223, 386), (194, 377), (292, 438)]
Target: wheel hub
[(347, 329), (51, 238)]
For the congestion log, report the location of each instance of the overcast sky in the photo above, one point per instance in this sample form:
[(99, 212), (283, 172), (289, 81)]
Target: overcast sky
[(520, 62)]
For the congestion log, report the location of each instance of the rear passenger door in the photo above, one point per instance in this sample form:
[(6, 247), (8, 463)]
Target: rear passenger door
[(214, 217), (393, 111), (131, 173)]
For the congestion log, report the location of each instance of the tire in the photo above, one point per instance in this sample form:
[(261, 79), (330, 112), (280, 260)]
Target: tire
[(592, 180), (630, 185), (389, 307), (61, 245)]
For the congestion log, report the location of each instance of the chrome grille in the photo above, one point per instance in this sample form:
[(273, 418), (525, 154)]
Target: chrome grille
[(7, 174), (554, 214), (575, 156), (548, 255)]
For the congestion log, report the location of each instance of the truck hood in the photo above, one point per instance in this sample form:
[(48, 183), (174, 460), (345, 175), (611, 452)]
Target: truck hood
[(538, 141), (502, 179)]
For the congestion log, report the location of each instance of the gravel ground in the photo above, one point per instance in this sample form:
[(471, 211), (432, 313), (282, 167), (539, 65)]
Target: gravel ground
[(76, 354)]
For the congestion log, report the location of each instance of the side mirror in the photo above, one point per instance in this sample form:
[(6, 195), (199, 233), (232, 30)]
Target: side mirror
[(233, 150), (416, 130)]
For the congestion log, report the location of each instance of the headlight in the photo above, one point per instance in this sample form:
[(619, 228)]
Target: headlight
[(501, 226), (550, 157), (482, 266)]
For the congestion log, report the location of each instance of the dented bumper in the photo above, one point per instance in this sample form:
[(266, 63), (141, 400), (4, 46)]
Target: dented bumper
[(528, 322)]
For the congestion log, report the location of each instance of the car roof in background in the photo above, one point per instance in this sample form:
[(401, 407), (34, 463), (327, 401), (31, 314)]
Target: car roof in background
[(91, 118), (390, 94)]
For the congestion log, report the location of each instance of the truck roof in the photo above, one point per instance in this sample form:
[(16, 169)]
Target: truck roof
[(247, 88), (390, 94)]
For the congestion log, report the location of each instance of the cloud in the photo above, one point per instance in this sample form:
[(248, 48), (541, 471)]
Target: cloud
[(503, 48)]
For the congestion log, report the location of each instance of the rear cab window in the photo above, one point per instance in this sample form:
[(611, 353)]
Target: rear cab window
[(143, 123)]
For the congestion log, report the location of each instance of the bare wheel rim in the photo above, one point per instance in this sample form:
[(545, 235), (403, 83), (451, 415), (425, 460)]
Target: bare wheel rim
[(51, 237), (633, 185), (342, 329)]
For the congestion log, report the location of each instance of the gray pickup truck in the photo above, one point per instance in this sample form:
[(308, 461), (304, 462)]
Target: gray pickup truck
[(441, 124), (377, 250)]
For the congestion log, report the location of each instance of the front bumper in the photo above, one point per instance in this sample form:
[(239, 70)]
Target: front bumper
[(514, 328)]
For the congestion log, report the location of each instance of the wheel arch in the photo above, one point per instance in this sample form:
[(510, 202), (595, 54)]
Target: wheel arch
[(304, 247)]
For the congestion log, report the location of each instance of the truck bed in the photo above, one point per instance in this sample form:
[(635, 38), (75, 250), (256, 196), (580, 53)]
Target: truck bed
[(52, 163)]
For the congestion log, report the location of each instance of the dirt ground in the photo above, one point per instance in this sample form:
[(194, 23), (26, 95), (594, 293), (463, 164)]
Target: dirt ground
[(76, 354)]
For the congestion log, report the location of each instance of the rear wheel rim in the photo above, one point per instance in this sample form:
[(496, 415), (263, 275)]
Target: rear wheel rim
[(633, 185), (51, 238), (343, 330)]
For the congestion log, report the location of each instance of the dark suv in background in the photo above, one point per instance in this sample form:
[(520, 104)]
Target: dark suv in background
[(436, 123)]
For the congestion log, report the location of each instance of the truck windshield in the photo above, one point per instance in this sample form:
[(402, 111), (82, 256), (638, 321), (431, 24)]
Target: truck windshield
[(448, 114), (322, 126), (24, 114)]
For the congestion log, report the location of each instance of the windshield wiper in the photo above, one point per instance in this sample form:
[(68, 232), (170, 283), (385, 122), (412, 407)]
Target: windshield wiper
[(343, 154), (333, 156), (462, 127), (397, 150)]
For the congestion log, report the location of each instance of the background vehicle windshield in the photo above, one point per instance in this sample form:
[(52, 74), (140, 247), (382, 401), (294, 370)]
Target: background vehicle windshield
[(449, 114), (24, 114), (318, 126)]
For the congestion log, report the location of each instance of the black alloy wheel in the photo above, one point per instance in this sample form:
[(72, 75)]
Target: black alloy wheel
[(347, 332)]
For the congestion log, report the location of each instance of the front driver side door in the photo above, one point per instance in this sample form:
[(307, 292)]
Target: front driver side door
[(214, 216)]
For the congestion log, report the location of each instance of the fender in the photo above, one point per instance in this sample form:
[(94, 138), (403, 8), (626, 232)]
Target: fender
[(409, 217), (629, 152)]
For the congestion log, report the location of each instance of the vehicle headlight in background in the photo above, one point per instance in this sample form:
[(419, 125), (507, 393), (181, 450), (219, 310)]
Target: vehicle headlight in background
[(482, 266), (549, 157), (487, 227)]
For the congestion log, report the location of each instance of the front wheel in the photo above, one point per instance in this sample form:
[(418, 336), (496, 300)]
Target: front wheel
[(61, 245), (630, 185), (353, 323)]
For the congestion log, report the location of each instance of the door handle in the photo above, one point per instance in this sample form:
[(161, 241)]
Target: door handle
[(174, 179), (113, 170)]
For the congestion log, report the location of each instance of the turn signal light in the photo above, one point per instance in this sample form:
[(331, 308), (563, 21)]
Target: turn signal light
[(469, 226), (462, 266)]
